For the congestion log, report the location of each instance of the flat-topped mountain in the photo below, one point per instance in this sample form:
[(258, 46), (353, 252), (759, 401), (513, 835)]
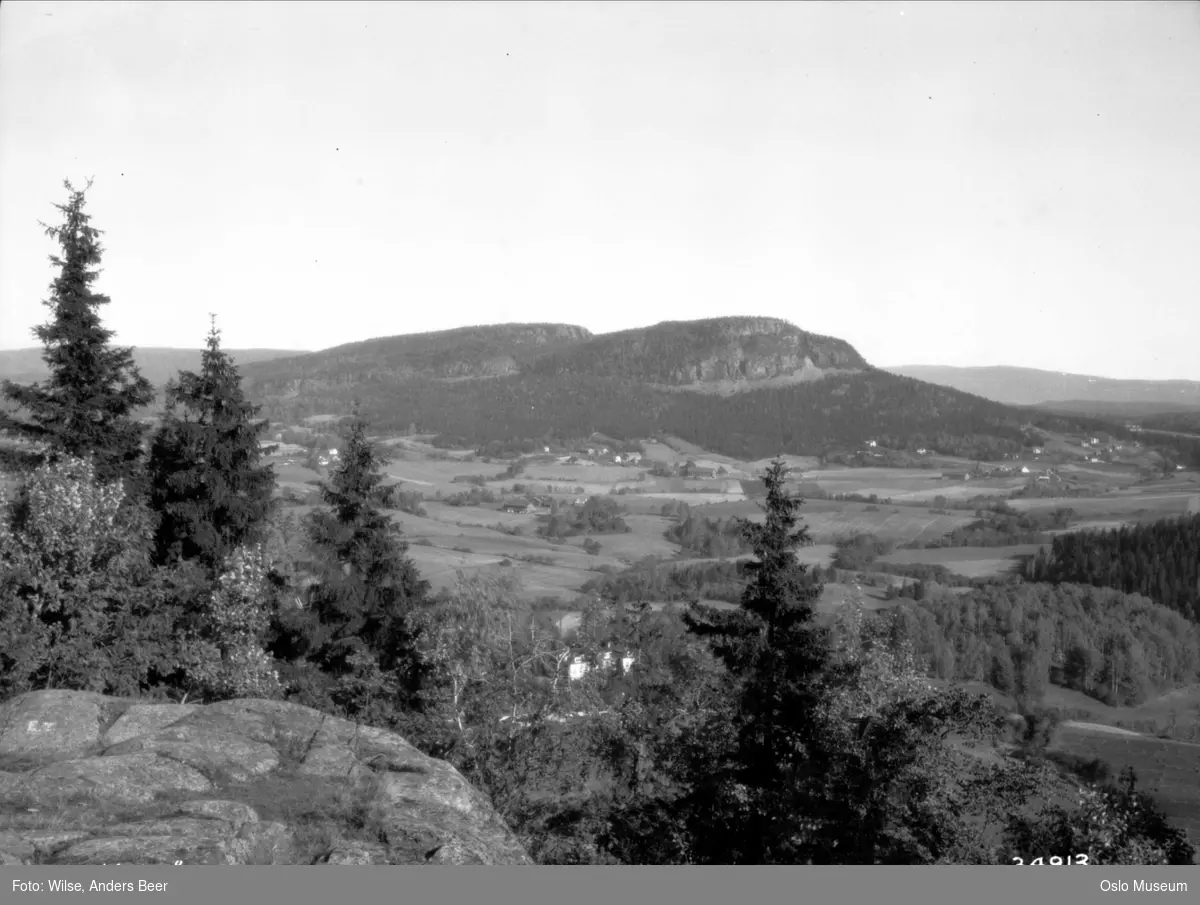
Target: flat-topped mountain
[(745, 386)]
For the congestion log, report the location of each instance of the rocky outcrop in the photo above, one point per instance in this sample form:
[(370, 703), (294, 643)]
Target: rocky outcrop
[(742, 350), (89, 779)]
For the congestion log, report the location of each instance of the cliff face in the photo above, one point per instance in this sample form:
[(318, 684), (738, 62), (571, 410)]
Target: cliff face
[(89, 779), (678, 354)]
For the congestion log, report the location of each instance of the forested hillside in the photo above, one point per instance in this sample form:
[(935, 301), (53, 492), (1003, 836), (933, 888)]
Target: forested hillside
[(1119, 648), (1160, 561), (479, 385), (485, 351), (838, 412)]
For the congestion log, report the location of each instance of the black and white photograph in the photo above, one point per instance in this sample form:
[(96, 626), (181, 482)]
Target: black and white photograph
[(599, 433)]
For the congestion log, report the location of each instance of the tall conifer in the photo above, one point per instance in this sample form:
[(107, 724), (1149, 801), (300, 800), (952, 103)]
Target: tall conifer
[(85, 407), (207, 478), (779, 657), (367, 587)]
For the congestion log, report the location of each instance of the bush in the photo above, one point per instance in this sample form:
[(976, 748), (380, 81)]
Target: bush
[(80, 606)]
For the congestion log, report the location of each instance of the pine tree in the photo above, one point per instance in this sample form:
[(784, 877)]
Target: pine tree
[(84, 409), (367, 588), (207, 478)]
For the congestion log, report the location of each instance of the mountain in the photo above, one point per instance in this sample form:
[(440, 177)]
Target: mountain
[(743, 386), (1067, 392), (158, 365)]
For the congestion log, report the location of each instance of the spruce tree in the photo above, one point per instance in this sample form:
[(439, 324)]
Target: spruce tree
[(367, 589), (85, 407), (778, 656), (207, 478)]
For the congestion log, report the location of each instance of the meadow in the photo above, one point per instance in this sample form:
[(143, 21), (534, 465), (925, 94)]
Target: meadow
[(1168, 770), (970, 562)]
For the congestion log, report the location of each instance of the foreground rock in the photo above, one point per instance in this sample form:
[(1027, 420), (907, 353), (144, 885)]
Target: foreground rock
[(89, 779)]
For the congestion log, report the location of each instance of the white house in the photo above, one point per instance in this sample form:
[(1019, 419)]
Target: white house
[(617, 459), (545, 449), (1024, 469), (579, 667), (871, 443), (333, 452)]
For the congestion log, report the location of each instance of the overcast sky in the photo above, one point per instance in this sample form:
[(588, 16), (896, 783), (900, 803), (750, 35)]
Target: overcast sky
[(961, 183)]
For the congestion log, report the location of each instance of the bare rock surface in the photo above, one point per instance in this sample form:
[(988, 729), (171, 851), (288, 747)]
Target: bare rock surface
[(90, 779)]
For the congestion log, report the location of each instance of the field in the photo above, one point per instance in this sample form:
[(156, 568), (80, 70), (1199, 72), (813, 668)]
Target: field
[(1167, 770), (828, 520), (1126, 506), (971, 562)]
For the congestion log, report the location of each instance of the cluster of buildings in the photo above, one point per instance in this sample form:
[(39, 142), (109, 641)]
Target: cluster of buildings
[(596, 455), (527, 506), (607, 660)]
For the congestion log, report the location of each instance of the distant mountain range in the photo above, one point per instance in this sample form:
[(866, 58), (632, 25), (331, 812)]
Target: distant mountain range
[(158, 365), (1075, 393)]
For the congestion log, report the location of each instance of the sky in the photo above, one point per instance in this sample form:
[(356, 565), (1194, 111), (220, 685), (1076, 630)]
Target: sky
[(956, 183)]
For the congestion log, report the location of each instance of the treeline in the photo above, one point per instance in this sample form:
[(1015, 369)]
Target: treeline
[(701, 536), (1003, 528), (1160, 560), (654, 579), (597, 515), (1118, 648)]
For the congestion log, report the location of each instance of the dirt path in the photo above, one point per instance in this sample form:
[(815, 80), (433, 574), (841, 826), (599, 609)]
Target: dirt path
[(1099, 727)]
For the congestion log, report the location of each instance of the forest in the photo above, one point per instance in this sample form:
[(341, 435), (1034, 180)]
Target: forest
[(1160, 560)]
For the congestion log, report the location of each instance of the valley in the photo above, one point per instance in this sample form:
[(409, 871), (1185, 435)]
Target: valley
[(584, 473)]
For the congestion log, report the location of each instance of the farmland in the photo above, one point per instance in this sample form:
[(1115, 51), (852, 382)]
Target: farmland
[(828, 520), (1168, 770), (482, 538), (970, 562)]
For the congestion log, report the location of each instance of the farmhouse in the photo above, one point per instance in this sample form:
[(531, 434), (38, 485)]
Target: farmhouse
[(518, 507), (955, 476), (580, 667)]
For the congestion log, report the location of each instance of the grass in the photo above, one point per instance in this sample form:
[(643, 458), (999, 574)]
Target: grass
[(1167, 770), (971, 562), (828, 519)]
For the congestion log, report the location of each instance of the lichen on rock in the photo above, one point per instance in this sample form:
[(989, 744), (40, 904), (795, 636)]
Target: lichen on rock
[(90, 779)]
